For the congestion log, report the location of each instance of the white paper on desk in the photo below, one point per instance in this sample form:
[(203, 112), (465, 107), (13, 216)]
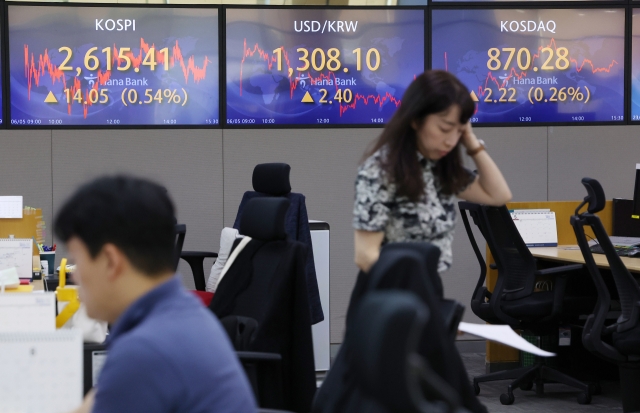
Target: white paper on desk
[(537, 228), (17, 252), (10, 206), (504, 335), (41, 372), (26, 312)]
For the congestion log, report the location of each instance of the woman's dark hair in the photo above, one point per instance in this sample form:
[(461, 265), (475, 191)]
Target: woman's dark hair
[(134, 214), (434, 91)]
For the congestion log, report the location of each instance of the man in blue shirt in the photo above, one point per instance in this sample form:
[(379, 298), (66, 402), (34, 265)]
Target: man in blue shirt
[(166, 351)]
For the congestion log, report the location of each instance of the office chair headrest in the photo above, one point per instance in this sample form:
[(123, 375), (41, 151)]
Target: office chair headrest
[(396, 267), (387, 329), (272, 178), (263, 219), (429, 254), (595, 195)]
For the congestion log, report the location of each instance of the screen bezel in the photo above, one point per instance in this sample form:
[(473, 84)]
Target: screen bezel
[(537, 6), (426, 33), (628, 5), (6, 65)]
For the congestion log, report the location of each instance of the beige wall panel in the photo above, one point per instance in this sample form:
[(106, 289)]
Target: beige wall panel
[(187, 162), (606, 153), (323, 168), (521, 155), (25, 169)]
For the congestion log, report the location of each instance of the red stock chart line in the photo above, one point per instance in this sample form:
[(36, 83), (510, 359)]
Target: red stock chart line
[(36, 68), (519, 75), (270, 59)]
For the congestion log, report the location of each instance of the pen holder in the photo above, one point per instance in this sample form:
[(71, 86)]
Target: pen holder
[(50, 257)]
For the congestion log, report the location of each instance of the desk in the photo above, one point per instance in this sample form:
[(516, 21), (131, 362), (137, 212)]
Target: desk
[(570, 254)]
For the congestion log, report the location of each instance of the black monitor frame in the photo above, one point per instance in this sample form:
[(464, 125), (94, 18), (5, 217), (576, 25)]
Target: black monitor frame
[(629, 5), (223, 88), (6, 66), (559, 5)]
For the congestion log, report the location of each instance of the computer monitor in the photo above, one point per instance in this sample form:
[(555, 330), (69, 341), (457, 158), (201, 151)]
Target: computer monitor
[(622, 223)]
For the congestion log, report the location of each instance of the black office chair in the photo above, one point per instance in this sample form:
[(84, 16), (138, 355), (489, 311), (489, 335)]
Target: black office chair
[(267, 283), (617, 342), (263, 370), (391, 375), (480, 300), (272, 180), (405, 267), (514, 301)]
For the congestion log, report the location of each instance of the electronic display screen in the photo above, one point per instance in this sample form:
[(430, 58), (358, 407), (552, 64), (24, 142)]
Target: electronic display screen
[(113, 66), (320, 66), (535, 66), (635, 66)]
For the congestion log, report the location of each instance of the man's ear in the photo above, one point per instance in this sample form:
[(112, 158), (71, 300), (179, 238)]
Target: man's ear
[(115, 260)]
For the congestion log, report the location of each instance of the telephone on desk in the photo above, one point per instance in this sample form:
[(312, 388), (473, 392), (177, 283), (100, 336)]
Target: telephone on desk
[(632, 252), (51, 282)]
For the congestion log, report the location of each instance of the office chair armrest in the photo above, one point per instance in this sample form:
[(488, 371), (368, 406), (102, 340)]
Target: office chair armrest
[(203, 254), (588, 325), (486, 294), (515, 290), (264, 372), (610, 329), (451, 312), (559, 270), (559, 287), (196, 262), (259, 357)]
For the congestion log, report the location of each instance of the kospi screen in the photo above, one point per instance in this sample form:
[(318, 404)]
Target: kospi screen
[(113, 66), (535, 66), (320, 66)]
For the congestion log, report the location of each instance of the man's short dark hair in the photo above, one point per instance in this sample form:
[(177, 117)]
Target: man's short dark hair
[(134, 214)]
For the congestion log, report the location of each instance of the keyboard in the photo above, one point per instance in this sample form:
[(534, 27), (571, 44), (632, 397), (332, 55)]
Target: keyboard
[(621, 251)]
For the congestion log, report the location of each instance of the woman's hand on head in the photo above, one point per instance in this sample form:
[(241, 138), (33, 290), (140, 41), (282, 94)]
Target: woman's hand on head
[(468, 138)]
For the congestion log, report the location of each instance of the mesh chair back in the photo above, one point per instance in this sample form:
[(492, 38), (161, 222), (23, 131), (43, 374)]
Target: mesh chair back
[(626, 285), (479, 301), (516, 266), (628, 289)]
